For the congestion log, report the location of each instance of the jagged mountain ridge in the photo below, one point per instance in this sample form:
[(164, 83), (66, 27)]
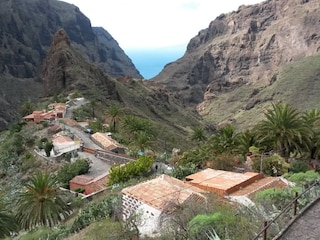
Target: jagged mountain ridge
[(26, 32), (245, 49), (66, 71), (27, 28)]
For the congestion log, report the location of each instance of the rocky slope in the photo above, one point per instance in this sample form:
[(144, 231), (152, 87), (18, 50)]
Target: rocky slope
[(27, 28), (241, 55), (66, 71), (26, 32)]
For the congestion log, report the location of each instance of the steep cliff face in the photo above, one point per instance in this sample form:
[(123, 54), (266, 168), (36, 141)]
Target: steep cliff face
[(26, 32), (66, 70), (27, 28), (247, 47)]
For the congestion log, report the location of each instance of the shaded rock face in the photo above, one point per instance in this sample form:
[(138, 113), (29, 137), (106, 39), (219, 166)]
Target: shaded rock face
[(27, 28), (246, 46), (26, 32), (66, 70)]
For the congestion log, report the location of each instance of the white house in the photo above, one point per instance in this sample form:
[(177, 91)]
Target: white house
[(149, 199)]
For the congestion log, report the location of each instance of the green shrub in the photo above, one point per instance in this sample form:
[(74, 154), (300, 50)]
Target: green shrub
[(28, 161), (70, 170), (119, 174), (47, 148), (298, 166), (78, 190), (94, 212), (182, 171), (303, 178), (272, 166), (274, 196)]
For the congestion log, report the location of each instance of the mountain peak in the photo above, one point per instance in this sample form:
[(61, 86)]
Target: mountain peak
[(60, 38)]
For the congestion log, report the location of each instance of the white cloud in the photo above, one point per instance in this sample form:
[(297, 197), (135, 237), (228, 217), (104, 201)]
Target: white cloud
[(154, 23)]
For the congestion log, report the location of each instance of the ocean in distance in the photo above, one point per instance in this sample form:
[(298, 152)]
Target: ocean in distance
[(150, 62)]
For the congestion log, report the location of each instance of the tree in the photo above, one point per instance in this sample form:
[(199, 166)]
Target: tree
[(70, 170), (93, 104), (142, 141), (48, 147), (26, 108), (8, 223), (41, 203), (114, 112), (198, 134), (224, 140), (244, 141), (273, 165), (285, 128), (312, 120), (132, 125)]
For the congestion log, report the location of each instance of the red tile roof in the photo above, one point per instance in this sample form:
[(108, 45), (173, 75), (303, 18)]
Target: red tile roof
[(61, 139), (81, 179), (221, 182), (161, 190)]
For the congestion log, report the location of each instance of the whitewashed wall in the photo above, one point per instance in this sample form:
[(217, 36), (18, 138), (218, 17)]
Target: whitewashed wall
[(148, 217)]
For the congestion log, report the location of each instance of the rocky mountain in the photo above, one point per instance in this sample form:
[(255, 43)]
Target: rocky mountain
[(66, 70), (243, 60), (26, 32)]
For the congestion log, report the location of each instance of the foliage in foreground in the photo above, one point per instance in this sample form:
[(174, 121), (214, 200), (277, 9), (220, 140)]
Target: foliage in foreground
[(8, 223), (195, 220), (95, 212), (41, 203)]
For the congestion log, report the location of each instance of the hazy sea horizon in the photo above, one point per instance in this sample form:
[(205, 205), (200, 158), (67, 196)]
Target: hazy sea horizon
[(150, 62)]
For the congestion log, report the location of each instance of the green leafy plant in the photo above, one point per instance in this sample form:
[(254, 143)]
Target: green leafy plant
[(70, 170), (94, 212), (119, 174), (273, 165)]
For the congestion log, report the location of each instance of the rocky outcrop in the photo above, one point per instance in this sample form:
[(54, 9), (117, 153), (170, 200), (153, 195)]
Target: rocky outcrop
[(27, 28), (244, 47), (66, 70), (26, 32)]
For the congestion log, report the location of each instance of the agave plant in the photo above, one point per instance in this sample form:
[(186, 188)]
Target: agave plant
[(212, 235)]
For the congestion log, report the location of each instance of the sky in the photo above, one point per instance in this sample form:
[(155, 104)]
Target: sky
[(149, 24)]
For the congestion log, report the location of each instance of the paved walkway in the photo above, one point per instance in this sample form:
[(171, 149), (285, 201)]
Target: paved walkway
[(306, 227), (98, 166)]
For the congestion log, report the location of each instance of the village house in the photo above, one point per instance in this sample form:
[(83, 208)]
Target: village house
[(238, 187), (55, 111), (89, 184), (63, 144), (149, 200), (107, 143)]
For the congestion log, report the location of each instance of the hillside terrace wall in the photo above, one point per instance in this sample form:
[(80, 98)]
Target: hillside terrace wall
[(112, 158)]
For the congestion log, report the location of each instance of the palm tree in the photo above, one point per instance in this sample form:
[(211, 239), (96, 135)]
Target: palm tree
[(93, 105), (312, 119), (198, 134), (41, 203), (245, 140), (142, 141), (285, 128), (133, 125), (224, 140), (114, 112), (8, 223)]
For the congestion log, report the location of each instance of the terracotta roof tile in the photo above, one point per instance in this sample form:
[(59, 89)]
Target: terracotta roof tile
[(159, 191), (221, 182), (81, 179)]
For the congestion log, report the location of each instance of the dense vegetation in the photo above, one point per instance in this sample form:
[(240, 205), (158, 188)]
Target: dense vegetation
[(281, 144), (285, 135)]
